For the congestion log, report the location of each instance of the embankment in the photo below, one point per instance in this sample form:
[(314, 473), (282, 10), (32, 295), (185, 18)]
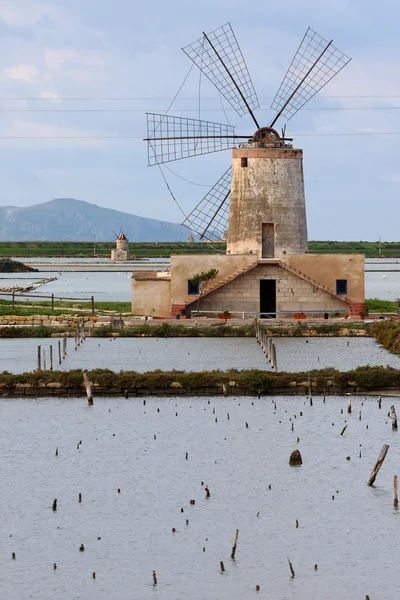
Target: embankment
[(53, 326), (213, 383)]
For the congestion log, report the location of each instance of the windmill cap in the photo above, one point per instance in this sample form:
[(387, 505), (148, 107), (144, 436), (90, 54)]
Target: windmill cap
[(121, 237)]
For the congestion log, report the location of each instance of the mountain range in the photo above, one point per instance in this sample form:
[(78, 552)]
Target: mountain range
[(67, 219)]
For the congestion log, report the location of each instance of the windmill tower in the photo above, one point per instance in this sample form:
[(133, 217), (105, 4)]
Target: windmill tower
[(120, 253), (258, 204), (260, 200)]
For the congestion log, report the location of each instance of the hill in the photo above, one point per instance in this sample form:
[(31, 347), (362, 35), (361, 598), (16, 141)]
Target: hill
[(67, 219)]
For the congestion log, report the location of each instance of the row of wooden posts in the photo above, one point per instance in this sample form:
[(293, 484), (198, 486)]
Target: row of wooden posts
[(267, 345), (80, 336)]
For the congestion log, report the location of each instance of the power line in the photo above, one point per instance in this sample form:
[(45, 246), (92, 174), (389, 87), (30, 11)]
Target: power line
[(128, 98), (132, 137), (162, 110)]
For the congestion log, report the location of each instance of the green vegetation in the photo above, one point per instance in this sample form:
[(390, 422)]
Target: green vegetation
[(167, 330), (387, 333), (164, 249), (103, 249), (370, 378), (43, 307), (202, 279), (370, 249), (382, 306)]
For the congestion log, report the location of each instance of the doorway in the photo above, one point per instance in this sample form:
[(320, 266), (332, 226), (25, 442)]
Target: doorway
[(268, 298), (268, 241)]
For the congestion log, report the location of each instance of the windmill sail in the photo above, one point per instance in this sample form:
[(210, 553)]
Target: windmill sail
[(209, 219), (172, 138), (218, 56), (315, 63)]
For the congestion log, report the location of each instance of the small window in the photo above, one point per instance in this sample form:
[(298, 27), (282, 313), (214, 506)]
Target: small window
[(341, 286), (193, 288), (244, 162)]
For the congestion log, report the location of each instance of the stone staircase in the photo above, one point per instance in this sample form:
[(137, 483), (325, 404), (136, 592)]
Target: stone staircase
[(217, 283), (312, 281)]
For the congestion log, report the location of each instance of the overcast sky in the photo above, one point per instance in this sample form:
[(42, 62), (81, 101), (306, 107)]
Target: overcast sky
[(124, 55)]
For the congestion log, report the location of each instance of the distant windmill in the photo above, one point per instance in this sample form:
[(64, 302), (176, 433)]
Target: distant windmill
[(218, 56)]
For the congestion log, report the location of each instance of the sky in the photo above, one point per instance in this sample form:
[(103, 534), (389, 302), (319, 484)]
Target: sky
[(78, 76)]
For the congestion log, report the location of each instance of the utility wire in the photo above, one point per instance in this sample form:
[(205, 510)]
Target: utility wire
[(184, 179), (132, 137), (170, 191), (162, 110), (127, 98)]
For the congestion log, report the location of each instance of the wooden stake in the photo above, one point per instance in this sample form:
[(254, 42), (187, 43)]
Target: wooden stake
[(221, 564), (39, 358), (51, 358), (344, 429), (154, 578), (55, 505), (378, 464), (88, 388), (349, 406), (234, 545), (396, 499), (291, 568), (57, 451), (59, 352), (380, 402), (394, 417)]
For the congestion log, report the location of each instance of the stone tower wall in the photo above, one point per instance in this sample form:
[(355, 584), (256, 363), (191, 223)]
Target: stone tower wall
[(267, 187)]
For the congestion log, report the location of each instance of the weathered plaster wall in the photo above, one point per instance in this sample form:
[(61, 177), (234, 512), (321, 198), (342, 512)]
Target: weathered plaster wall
[(292, 293), (151, 292), (269, 190), (184, 267), (327, 268)]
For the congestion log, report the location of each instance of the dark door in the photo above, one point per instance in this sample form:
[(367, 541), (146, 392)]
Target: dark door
[(268, 242), (268, 298)]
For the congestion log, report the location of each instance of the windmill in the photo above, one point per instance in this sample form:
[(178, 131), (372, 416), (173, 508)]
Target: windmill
[(219, 58)]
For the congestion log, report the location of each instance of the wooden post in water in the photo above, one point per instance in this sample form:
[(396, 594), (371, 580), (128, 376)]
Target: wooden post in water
[(378, 464), (59, 352), (76, 341), (396, 498), (394, 417), (92, 298), (349, 406), (234, 545), (44, 359), (291, 568), (51, 357), (275, 364), (88, 388), (39, 358), (83, 329), (13, 299), (52, 302)]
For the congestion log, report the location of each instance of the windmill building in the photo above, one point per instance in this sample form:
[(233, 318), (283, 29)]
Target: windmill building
[(258, 204)]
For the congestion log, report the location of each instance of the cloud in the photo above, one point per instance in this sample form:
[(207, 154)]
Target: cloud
[(27, 73)]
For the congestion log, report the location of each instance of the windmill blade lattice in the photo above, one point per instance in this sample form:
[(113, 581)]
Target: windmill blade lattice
[(209, 219), (218, 56), (173, 138), (315, 63)]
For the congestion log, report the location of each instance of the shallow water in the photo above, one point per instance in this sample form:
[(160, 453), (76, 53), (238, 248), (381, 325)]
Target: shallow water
[(116, 286), (196, 354), (352, 538), (137, 354)]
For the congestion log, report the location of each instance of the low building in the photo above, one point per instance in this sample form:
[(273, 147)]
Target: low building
[(267, 270)]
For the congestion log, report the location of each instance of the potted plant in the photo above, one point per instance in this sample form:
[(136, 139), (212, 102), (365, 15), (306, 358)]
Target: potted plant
[(299, 315), (224, 315), (363, 313)]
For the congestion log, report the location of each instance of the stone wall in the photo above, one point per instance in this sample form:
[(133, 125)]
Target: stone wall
[(292, 293)]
